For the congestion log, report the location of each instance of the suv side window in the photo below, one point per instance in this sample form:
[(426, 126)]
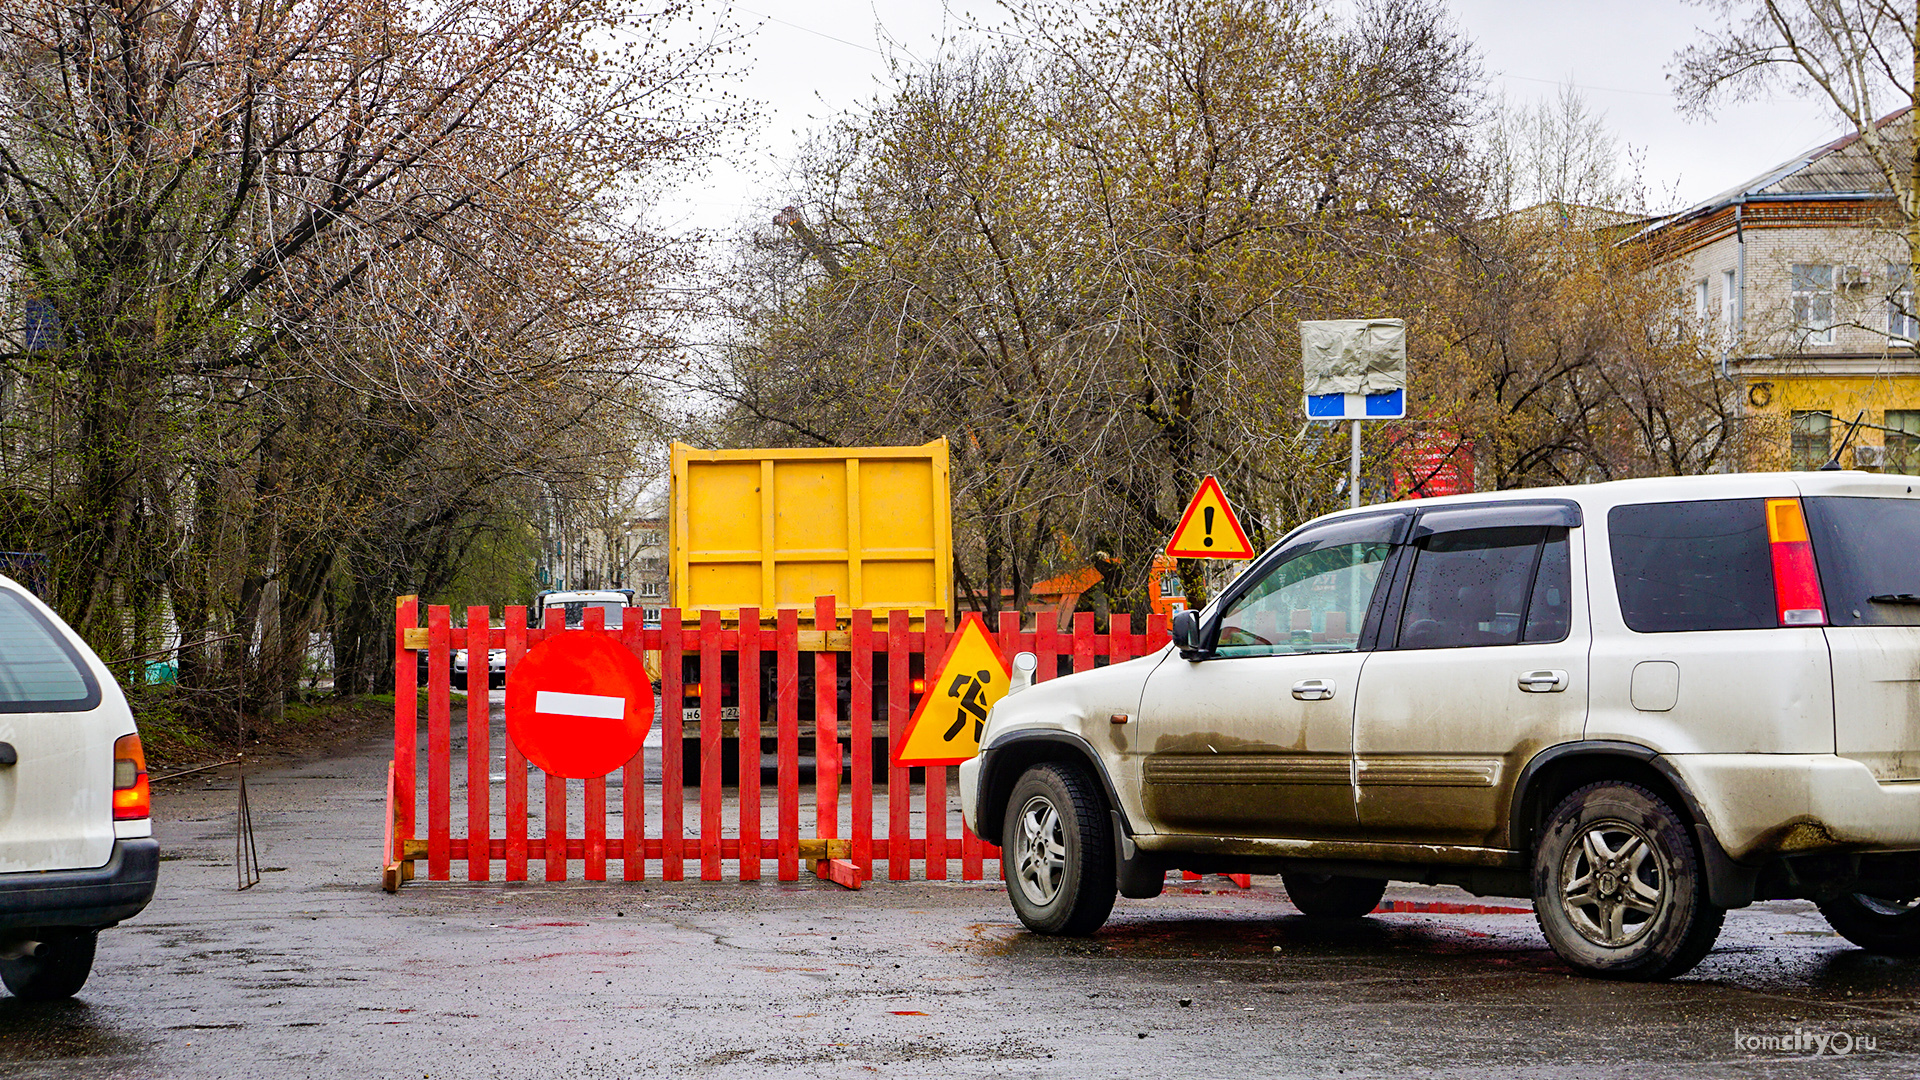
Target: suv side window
[(1315, 596), (1693, 565), (1488, 586)]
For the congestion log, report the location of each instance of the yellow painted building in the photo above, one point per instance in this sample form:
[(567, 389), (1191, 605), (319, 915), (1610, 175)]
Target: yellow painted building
[(1802, 275)]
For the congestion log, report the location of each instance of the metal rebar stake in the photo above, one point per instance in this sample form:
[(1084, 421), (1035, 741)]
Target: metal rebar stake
[(246, 855)]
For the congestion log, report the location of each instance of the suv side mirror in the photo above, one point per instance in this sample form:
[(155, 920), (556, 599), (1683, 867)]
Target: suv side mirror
[(1186, 633)]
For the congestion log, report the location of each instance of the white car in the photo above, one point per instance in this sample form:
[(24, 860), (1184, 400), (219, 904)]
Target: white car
[(77, 853), (1639, 704)]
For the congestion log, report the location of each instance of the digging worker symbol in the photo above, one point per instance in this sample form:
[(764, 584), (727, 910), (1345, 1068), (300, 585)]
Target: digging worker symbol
[(970, 704)]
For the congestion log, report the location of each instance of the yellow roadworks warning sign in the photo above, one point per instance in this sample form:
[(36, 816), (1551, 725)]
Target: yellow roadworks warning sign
[(945, 728), (1208, 530)]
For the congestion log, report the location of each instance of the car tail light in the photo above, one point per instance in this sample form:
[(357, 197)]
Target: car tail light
[(1796, 582), (131, 797)]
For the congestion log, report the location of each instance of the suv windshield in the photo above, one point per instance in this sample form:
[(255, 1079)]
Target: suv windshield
[(38, 669), (576, 611), (1865, 549)]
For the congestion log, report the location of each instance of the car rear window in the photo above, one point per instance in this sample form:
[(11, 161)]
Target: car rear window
[(1867, 548), (1693, 565), (39, 671)]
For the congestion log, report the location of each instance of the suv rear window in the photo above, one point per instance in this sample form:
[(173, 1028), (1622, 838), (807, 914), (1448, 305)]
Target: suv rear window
[(39, 671), (1866, 548), (1693, 565)]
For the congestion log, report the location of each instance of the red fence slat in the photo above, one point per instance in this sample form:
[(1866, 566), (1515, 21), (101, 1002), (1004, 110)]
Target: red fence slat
[(406, 712), (633, 776), (935, 806), (555, 799), (860, 730), (672, 748), (515, 851), (749, 744), (899, 789), (439, 749), (479, 752), (826, 727), (786, 643), (710, 704)]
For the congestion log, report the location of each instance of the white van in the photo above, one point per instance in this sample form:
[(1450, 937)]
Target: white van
[(77, 853)]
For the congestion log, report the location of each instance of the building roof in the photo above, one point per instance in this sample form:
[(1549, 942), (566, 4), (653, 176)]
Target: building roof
[(1840, 169)]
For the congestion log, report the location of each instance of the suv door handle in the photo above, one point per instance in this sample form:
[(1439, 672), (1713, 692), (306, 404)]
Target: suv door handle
[(1313, 690), (8, 755), (1545, 681)]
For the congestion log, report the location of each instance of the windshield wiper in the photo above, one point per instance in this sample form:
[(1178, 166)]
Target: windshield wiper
[(1895, 598)]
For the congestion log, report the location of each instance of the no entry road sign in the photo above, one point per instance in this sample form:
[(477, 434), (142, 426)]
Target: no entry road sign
[(579, 704)]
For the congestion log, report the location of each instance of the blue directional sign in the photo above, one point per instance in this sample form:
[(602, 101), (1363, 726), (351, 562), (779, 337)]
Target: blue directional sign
[(1391, 405)]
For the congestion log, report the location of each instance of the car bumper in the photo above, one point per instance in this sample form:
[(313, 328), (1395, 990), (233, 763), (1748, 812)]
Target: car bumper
[(970, 791), (1762, 805), (95, 897)]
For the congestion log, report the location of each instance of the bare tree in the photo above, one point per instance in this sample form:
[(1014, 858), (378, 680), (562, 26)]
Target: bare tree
[(1858, 56)]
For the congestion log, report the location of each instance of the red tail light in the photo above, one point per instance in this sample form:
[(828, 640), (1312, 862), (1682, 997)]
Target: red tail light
[(1796, 582), (131, 798)]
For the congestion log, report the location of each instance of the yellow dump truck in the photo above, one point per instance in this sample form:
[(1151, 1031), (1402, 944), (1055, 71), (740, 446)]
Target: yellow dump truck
[(773, 528), (871, 526)]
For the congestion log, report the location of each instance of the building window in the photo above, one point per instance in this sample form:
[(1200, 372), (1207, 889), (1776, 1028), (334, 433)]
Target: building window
[(1812, 439), (1903, 441), (1902, 323), (650, 563), (1728, 309), (1813, 302), (650, 589), (1700, 298)]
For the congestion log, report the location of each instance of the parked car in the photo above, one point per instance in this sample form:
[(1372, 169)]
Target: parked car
[(457, 668), (77, 853), (1638, 704)]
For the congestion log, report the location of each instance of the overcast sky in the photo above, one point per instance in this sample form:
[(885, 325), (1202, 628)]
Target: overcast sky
[(809, 60)]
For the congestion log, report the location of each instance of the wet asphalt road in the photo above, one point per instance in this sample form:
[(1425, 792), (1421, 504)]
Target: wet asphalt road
[(317, 973)]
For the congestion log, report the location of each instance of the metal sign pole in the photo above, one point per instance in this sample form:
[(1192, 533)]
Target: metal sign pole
[(1353, 468)]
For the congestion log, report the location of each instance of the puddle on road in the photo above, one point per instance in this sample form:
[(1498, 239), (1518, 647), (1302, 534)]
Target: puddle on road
[(61, 1030)]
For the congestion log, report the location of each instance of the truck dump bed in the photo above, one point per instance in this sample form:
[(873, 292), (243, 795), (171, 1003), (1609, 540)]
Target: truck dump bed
[(774, 528)]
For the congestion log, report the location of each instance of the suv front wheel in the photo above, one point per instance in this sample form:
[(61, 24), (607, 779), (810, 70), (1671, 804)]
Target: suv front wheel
[(1618, 888), (1057, 847)]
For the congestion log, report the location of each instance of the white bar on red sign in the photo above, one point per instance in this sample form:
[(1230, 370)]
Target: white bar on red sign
[(595, 705)]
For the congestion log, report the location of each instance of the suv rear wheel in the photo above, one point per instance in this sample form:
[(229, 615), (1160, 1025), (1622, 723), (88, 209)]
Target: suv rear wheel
[(1057, 845), (1618, 888), (1876, 924), (1332, 896), (57, 969)]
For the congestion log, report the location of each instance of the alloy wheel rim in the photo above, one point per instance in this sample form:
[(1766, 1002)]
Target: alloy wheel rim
[(1041, 858), (1614, 883)]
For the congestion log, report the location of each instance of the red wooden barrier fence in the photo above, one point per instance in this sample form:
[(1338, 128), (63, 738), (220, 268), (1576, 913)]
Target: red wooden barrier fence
[(503, 845)]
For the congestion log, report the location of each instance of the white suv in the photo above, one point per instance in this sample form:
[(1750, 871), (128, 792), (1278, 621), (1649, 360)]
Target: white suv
[(1638, 703), (77, 852)]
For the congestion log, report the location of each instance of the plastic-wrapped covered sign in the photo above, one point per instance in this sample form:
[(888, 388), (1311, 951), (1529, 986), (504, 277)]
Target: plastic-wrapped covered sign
[(1354, 368)]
